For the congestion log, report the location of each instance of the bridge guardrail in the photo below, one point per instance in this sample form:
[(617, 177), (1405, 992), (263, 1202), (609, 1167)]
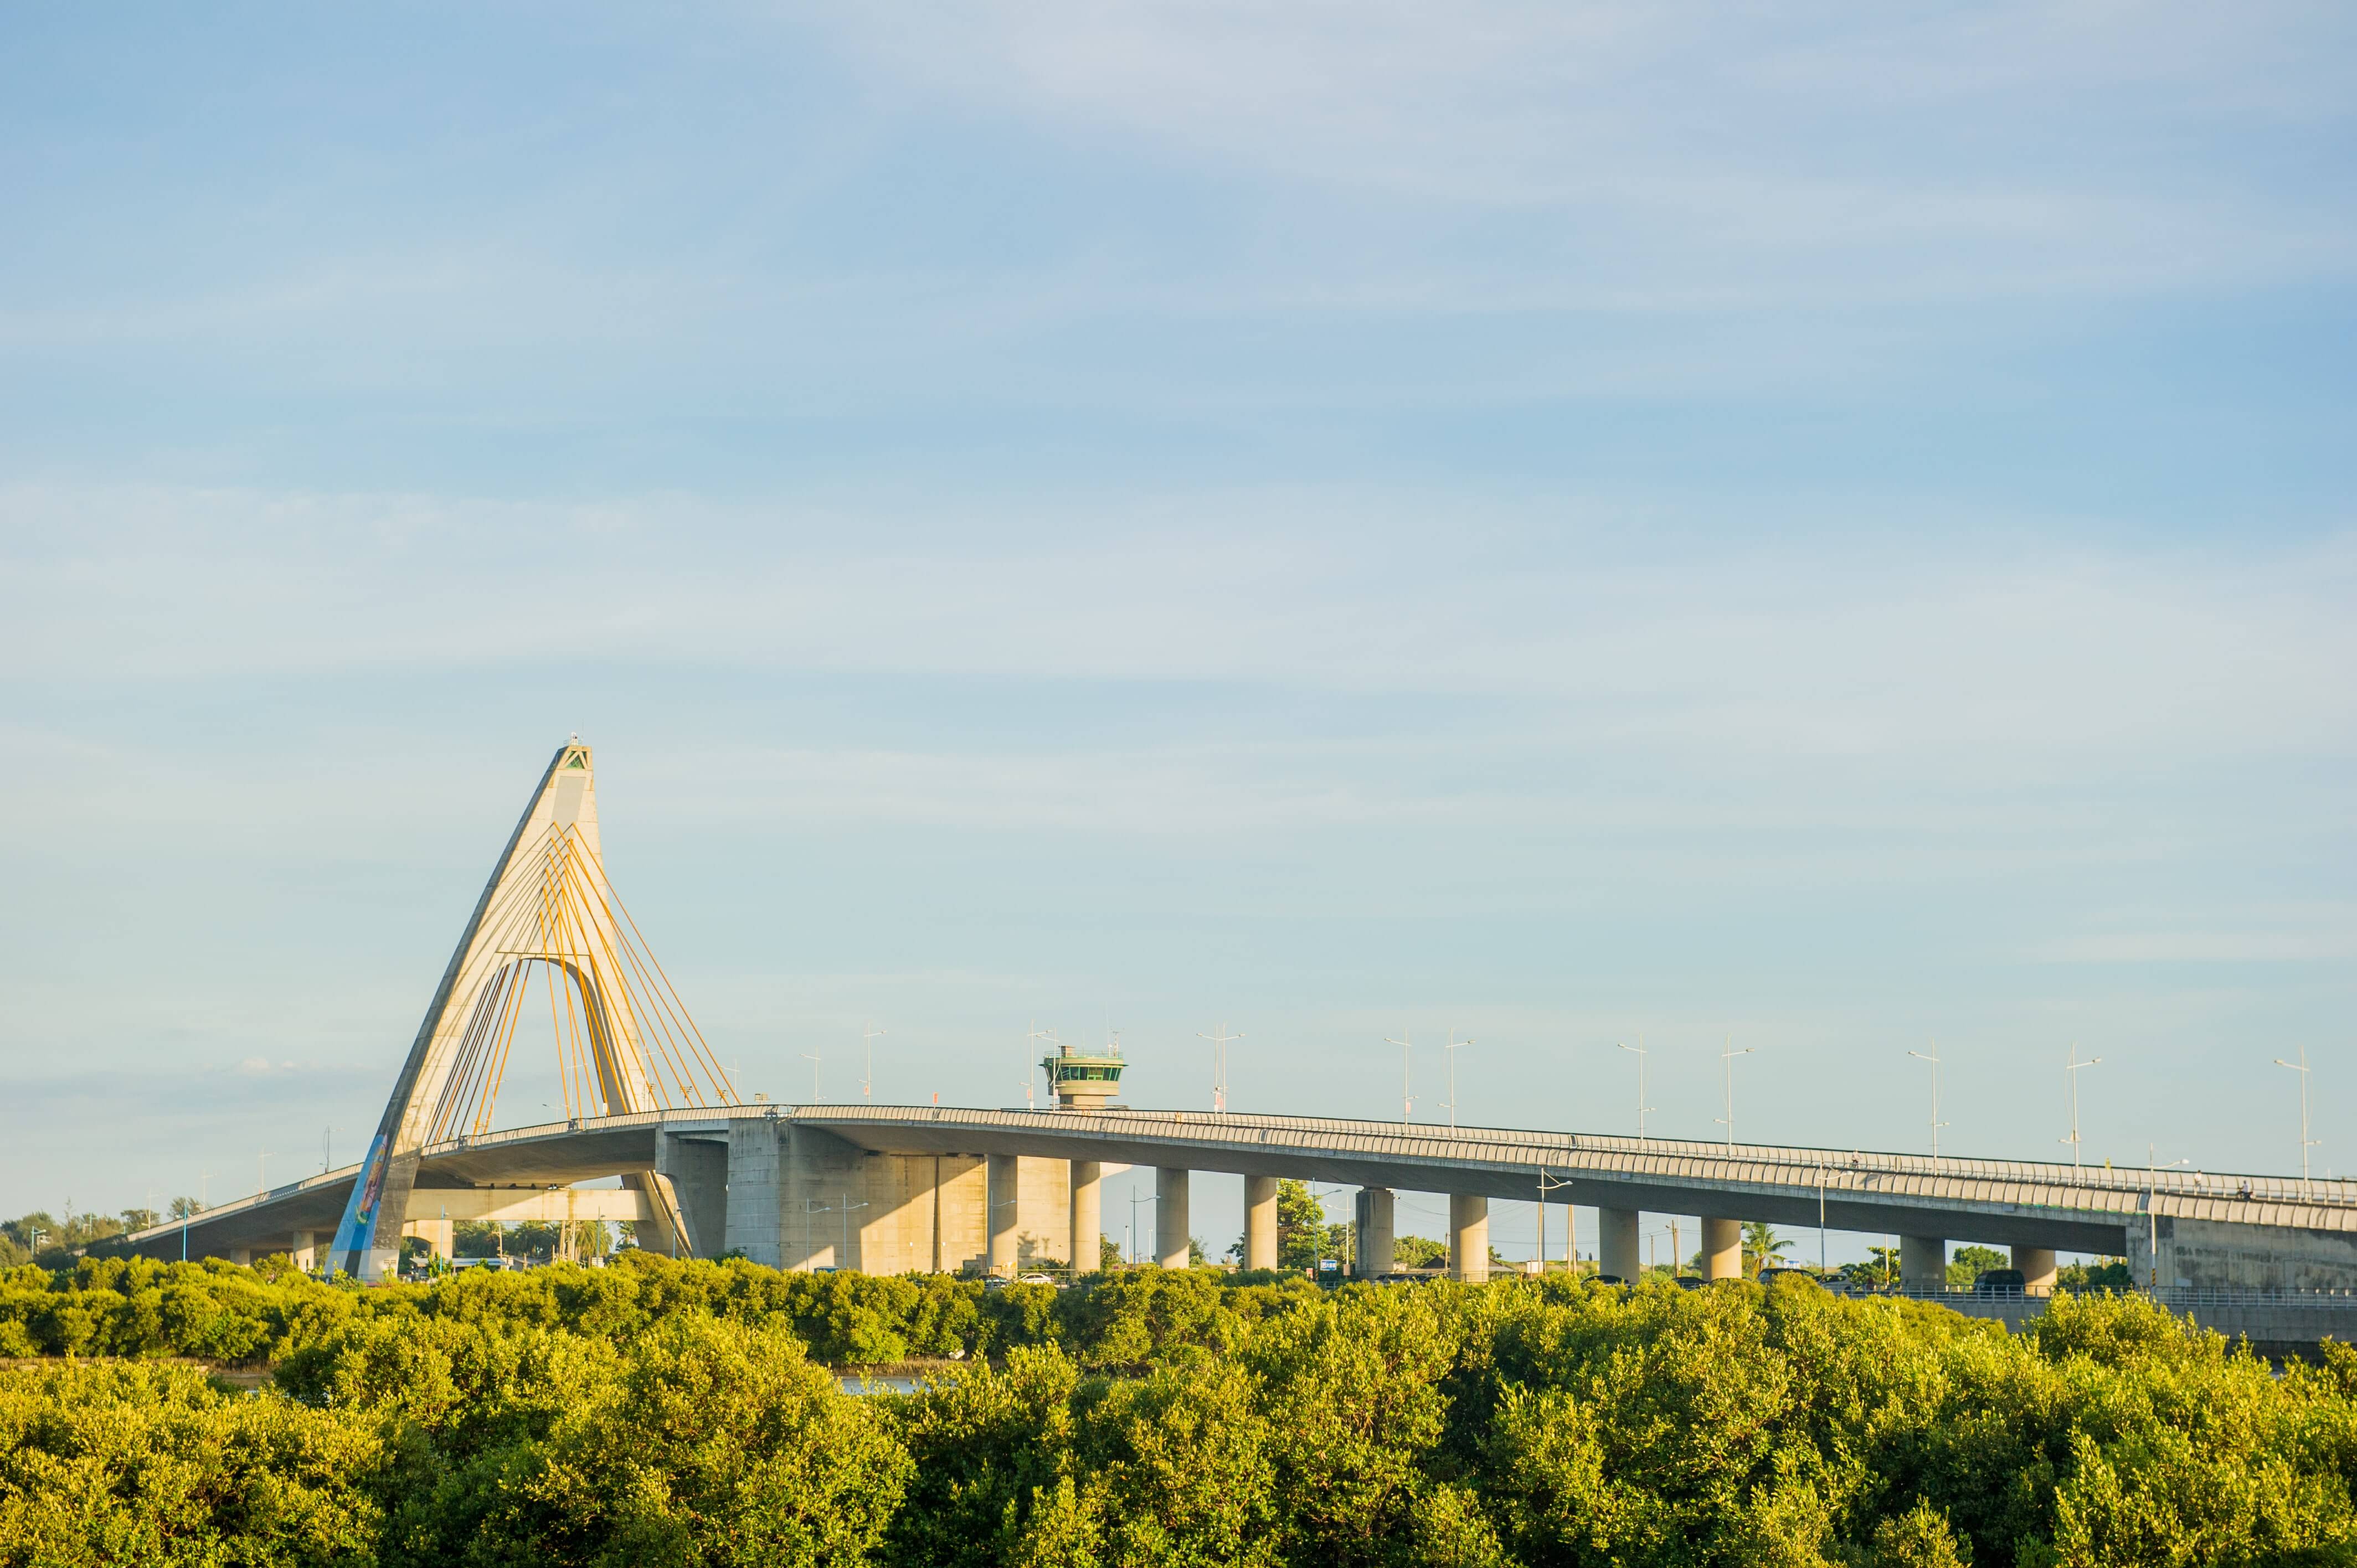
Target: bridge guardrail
[(2123, 1188)]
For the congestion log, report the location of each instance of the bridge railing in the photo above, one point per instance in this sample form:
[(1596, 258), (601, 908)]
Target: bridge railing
[(1848, 1169), (1807, 1163)]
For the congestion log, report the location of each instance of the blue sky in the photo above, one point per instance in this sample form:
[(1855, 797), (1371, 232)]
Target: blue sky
[(1563, 523)]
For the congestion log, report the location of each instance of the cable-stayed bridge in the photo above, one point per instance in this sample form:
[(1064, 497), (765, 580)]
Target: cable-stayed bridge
[(890, 1188)]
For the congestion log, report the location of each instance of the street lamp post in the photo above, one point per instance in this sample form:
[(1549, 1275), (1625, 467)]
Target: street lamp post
[(2070, 1076), (1220, 1037), (2152, 1214), (1450, 1051), (1407, 1105), (1936, 1123), (1727, 1058), (2306, 1142), (1639, 1052)]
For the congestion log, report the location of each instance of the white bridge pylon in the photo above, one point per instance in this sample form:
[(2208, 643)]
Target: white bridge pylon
[(624, 1040)]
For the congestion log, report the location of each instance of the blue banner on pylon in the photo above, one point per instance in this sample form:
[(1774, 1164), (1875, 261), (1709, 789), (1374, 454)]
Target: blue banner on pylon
[(358, 1231)]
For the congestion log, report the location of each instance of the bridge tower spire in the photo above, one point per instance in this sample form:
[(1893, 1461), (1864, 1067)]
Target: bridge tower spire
[(625, 1043)]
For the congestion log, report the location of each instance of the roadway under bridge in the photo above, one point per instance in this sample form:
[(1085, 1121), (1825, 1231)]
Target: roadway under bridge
[(892, 1190)]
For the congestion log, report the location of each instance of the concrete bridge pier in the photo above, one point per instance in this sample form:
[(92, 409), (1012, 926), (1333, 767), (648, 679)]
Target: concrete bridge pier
[(1469, 1238), (1170, 1216), (754, 1194), (1616, 1243), (2037, 1266), (1373, 1226), (1088, 1216), (1005, 1238), (1260, 1222), (1923, 1262), (1722, 1249), (698, 1167)]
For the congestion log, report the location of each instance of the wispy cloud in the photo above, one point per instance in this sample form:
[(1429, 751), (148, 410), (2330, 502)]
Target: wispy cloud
[(1677, 645)]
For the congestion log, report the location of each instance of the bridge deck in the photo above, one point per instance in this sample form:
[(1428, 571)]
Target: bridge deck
[(2002, 1202)]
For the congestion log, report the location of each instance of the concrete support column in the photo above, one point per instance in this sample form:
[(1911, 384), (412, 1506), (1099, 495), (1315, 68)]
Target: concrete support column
[(2037, 1266), (300, 1251), (1170, 1217), (1923, 1262), (1722, 1249), (1088, 1216), (750, 1218), (1616, 1243), (1373, 1224), (1260, 1222), (697, 1168), (1005, 1239), (1469, 1238)]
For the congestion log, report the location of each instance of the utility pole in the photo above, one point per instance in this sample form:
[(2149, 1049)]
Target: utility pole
[(2306, 1142), (1407, 1106), (1936, 1123), (1449, 1052), (2070, 1076), (1639, 1052), (1219, 1038), (867, 1037), (1727, 1061)]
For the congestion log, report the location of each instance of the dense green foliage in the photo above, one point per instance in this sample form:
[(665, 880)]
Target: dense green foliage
[(667, 1413)]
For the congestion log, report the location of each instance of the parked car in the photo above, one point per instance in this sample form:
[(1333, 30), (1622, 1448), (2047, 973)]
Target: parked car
[(1997, 1282)]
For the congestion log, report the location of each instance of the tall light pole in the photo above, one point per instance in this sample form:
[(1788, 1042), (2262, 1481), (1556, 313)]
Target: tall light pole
[(868, 1035), (1407, 1106), (2152, 1211), (1030, 1043), (813, 1058), (842, 1258), (1449, 1052), (2306, 1142), (1727, 1059), (1640, 1053), (2070, 1076), (1936, 1123), (1219, 1038)]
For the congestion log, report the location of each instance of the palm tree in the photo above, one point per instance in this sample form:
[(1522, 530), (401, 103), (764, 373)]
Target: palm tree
[(1763, 1246)]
